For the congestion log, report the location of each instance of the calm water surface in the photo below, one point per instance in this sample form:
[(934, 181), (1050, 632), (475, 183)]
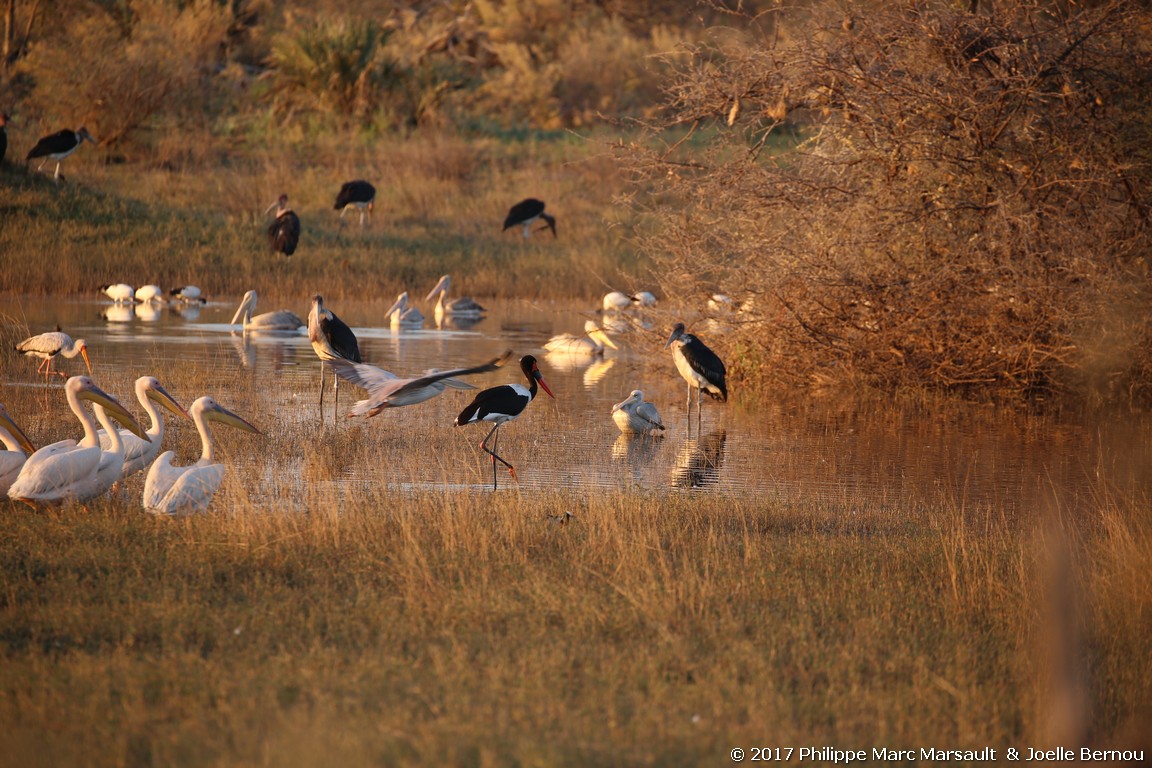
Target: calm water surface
[(802, 450)]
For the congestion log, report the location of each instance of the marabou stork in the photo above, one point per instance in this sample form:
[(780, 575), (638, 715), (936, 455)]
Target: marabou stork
[(331, 339), (3, 136), (18, 446), (699, 366), (359, 194), (385, 390), (284, 232), (47, 345), (58, 146), (636, 416), (526, 213), (503, 404), (170, 490)]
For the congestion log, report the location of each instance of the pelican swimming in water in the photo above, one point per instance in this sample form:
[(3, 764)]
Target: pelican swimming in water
[(18, 449), (138, 453), (386, 390), (400, 315), (636, 416), (67, 469), (47, 345), (171, 490), (281, 320), (461, 307), (589, 344)]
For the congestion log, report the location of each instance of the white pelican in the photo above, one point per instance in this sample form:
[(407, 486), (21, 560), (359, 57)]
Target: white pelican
[(170, 490), (461, 307), (68, 469), (120, 293), (636, 416), (400, 315), (138, 453), (19, 447), (148, 293), (590, 344), (281, 320), (48, 345), (386, 390), (331, 339)]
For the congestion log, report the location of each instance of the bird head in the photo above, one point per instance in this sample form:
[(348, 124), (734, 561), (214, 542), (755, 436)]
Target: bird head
[(83, 388), (13, 429), (83, 347), (677, 334), (84, 135), (528, 365), (157, 394), (441, 287), (208, 409)]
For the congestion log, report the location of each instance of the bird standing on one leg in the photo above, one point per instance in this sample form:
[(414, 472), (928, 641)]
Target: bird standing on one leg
[(359, 194), (700, 367), (284, 232), (58, 146), (526, 213), (503, 404), (331, 339)]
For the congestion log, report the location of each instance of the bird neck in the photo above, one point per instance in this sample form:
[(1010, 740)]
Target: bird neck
[(156, 429), (206, 455), (115, 441)]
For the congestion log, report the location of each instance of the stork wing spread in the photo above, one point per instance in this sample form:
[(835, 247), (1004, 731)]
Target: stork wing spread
[(363, 375), (385, 388)]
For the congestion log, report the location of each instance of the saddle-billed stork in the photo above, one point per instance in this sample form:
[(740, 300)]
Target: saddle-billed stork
[(284, 232), (331, 339), (503, 404), (700, 367), (526, 213), (359, 194), (47, 345), (58, 146)]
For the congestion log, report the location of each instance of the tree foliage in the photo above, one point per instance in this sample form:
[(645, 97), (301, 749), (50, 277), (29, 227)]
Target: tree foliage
[(916, 194)]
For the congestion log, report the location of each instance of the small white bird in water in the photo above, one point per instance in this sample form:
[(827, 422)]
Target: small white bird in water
[(636, 416)]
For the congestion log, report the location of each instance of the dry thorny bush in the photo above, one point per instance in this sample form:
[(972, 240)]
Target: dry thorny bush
[(916, 194)]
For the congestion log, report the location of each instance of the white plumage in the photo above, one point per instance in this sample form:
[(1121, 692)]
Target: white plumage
[(18, 447), (636, 416), (589, 344), (280, 320), (47, 345), (138, 453)]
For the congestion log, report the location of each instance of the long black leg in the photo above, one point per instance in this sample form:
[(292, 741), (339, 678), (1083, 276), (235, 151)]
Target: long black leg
[(321, 392), (496, 458)]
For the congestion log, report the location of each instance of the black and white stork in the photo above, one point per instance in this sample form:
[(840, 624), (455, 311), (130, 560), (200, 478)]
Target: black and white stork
[(700, 367), (120, 293), (3, 136), (359, 194), (503, 404), (331, 339), (48, 345), (284, 232), (386, 390), (58, 146), (526, 213), (187, 294)]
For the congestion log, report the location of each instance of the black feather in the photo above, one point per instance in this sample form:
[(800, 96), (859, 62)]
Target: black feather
[(284, 233)]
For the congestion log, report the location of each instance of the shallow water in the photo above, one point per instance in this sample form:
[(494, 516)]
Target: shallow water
[(823, 449)]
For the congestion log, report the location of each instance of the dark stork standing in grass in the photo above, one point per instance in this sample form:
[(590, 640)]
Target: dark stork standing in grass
[(284, 232), (700, 367), (58, 146), (331, 339), (526, 213), (386, 390), (3, 136), (502, 404), (357, 193)]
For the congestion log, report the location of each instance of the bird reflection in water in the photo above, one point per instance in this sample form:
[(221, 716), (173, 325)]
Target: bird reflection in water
[(699, 462), (636, 451), (594, 368), (147, 312), (457, 322), (189, 313), (243, 346), (118, 313)]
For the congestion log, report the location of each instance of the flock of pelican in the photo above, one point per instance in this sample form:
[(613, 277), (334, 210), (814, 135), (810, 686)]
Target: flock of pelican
[(83, 470)]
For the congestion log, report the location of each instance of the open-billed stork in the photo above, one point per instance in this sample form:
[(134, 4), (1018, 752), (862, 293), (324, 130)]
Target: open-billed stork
[(47, 345), (502, 404), (463, 306), (386, 390), (280, 320), (331, 339), (284, 231), (359, 194), (58, 146), (18, 446), (526, 213), (3, 136), (120, 293), (699, 366), (139, 453), (589, 344), (171, 490), (636, 416), (71, 470)]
